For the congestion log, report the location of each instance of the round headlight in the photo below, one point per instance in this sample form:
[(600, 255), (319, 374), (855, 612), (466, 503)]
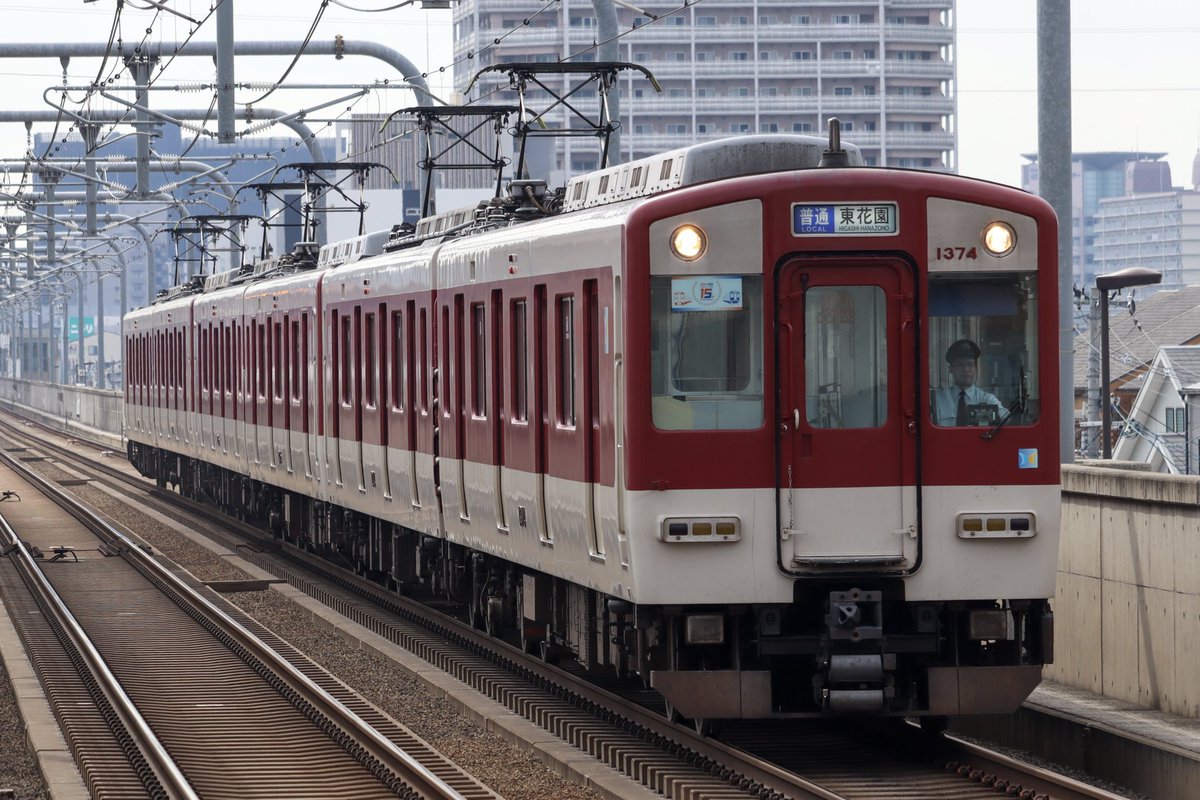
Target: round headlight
[(688, 242), (999, 238)]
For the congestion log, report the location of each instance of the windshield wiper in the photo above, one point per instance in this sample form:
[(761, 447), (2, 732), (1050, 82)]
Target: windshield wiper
[(1020, 405)]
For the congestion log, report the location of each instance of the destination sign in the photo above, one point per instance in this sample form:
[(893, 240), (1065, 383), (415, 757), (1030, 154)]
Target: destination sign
[(845, 219)]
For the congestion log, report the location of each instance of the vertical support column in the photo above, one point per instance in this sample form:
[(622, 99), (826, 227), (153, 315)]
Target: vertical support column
[(140, 68), (79, 374), (90, 133), (1093, 373), (225, 79), (606, 29), (1054, 180), (66, 336), (99, 327)]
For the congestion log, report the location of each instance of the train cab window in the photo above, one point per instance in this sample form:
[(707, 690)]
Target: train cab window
[(706, 352), (983, 348), (845, 356)]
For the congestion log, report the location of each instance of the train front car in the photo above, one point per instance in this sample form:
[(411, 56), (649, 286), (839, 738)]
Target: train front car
[(842, 440)]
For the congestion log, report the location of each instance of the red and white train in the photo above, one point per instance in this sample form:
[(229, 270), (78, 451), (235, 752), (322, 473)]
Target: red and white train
[(679, 419)]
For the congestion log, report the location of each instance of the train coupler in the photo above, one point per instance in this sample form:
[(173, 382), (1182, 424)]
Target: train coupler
[(849, 683)]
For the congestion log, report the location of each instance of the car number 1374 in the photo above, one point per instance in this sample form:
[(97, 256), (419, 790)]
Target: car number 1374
[(956, 254)]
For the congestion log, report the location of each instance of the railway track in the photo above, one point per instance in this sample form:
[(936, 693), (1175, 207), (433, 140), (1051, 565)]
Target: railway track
[(162, 693), (622, 727)]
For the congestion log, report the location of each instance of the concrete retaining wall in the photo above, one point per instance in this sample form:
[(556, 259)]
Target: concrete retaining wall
[(93, 414), (1127, 614)]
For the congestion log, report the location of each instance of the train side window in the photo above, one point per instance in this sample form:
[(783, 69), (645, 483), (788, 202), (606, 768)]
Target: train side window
[(845, 356), (368, 365), (295, 355), (478, 360), (998, 315), (706, 352), (347, 349), (262, 362), (566, 360), (423, 362), (520, 362), (399, 375), (277, 361)]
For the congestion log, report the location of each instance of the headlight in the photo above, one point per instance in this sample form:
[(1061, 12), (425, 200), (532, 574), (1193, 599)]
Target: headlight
[(688, 242), (999, 238)]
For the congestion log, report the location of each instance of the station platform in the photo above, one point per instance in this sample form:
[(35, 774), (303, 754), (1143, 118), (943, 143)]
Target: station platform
[(1146, 751)]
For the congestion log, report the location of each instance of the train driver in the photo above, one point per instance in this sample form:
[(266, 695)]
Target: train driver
[(964, 403)]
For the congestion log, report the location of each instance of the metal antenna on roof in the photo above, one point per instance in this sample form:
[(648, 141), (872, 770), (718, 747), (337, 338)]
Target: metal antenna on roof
[(835, 156)]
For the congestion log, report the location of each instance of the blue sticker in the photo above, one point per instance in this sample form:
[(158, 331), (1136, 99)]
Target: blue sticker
[(1027, 458)]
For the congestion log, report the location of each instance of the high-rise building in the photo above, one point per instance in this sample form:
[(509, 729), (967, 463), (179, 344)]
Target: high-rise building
[(1158, 230), (885, 68), (1094, 177)]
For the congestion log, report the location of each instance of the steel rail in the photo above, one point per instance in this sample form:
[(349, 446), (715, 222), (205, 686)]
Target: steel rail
[(400, 763), (167, 774)]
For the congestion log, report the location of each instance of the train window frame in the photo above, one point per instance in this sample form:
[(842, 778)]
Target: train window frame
[(675, 407), (277, 360), (564, 308), (294, 387), (398, 359), (1006, 331), (478, 347), (423, 361), (850, 330), (370, 346), (519, 314), (346, 339)]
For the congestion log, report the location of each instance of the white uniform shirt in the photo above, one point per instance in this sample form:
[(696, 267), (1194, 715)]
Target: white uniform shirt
[(945, 410)]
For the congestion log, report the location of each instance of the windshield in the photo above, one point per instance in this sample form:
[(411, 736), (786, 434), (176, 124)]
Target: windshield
[(983, 349), (706, 352)]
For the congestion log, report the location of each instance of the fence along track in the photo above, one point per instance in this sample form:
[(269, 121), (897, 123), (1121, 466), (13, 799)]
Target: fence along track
[(219, 716)]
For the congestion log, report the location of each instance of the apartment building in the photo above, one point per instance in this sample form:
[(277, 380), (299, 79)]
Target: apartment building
[(886, 69)]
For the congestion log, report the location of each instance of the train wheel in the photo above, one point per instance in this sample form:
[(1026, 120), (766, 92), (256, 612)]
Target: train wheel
[(493, 616)]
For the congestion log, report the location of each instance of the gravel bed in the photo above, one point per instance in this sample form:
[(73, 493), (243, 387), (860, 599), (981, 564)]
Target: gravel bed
[(1070, 772), (19, 772)]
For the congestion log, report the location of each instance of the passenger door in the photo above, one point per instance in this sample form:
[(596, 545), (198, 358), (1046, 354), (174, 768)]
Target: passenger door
[(847, 481)]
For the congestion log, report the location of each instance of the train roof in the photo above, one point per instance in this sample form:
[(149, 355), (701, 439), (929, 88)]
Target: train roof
[(700, 163)]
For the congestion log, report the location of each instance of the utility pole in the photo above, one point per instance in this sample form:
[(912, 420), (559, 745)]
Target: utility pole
[(225, 79), (1054, 182)]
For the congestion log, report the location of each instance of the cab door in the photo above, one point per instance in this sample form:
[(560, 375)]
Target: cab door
[(847, 482)]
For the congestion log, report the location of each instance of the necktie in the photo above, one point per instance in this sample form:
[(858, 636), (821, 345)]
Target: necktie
[(961, 418)]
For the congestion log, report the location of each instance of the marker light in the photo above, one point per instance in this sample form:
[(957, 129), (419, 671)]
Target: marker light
[(999, 238), (688, 242)]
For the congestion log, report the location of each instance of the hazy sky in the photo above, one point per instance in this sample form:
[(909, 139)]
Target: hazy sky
[(1135, 67)]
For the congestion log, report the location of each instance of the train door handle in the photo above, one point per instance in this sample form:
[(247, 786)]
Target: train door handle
[(796, 419)]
